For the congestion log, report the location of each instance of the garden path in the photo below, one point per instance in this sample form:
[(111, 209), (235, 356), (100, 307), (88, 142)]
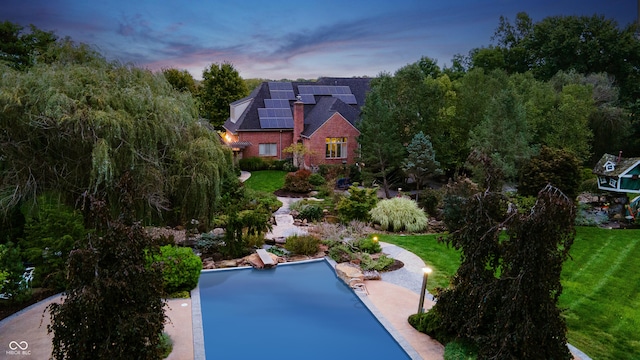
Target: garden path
[(284, 226)]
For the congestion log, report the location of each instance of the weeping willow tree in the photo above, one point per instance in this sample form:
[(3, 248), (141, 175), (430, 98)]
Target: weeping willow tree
[(75, 122)]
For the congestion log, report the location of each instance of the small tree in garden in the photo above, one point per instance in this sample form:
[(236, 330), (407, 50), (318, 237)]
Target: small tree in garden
[(505, 293), (113, 307), (299, 152), (421, 160), (357, 204), (557, 167)]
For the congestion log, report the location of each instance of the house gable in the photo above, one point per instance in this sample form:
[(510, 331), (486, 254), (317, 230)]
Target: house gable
[(336, 127), (618, 174)]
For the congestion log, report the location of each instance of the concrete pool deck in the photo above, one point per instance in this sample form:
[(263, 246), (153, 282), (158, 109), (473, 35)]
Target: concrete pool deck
[(393, 302), (29, 327)]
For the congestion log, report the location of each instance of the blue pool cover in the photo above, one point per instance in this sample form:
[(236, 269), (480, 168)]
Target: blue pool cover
[(295, 311)]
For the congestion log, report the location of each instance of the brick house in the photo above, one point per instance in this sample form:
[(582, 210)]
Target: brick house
[(321, 115)]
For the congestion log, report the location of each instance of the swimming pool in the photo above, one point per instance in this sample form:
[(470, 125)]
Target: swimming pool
[(295, 311)]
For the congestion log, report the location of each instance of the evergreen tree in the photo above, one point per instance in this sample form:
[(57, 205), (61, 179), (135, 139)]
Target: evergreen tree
[(503, 135), (421, 160), (380, 134)]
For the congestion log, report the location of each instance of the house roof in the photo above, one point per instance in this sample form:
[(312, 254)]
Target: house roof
[(609, 165), (331, 96)]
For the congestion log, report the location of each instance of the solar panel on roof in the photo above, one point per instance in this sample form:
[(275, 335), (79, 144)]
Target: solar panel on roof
[(307, 98), (277, 85), (276, 123), (282, 94), (274, 113), (276, 103), (304, 89), (346, 98)]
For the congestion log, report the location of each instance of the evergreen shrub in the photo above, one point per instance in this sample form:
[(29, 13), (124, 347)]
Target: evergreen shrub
[(317, 180), (357, 205), (302, 244), (180, 268), (253, 164), (311, 212), (369, 246)]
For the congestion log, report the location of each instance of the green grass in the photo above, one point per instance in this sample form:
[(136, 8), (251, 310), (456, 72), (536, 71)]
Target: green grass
[(601, 287), (602, 293), (442, 259), (266, 180)]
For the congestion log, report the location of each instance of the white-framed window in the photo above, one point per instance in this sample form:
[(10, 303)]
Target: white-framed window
[(336, 148), (268, 149)]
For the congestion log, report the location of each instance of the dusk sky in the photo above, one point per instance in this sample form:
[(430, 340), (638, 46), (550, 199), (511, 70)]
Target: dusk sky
[(275, 39)]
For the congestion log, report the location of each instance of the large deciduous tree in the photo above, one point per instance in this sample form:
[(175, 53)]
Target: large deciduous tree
[(221, 85), (181, 80), (77, 124), (19, 49), (585, 44)]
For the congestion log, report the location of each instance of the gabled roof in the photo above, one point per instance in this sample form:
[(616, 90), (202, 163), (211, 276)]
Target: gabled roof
[(315, 114), (323, 110), (609, 165)]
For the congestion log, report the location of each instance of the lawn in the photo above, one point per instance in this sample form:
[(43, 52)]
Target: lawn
[(601, 287), (266, 180)]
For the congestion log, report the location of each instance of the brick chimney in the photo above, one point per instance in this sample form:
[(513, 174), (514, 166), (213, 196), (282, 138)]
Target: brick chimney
[(298, 120)]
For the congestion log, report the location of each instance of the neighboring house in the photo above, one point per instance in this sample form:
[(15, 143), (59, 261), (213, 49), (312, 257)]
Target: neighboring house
[(321, 115), (618, 174)]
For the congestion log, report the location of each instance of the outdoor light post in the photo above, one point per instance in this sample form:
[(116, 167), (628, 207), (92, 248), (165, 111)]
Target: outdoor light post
[(426, 271)]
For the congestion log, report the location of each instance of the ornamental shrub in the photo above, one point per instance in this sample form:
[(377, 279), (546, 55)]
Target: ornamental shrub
[(341, 253), (317, 180), (180, 268), (369, 246), (430, 200), (399, 214), (430, 323), (298, 181), (253, 164), (311, 212), (302, 244), (357, 204), (367, 263)]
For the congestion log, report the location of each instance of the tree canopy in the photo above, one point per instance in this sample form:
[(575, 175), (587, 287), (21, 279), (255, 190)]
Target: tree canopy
[(19, 49), (181, 80), (221, 85), (76, 123), (381, 149)]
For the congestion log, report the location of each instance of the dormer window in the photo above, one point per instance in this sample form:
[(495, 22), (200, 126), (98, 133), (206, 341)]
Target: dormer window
[(609, 166)]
